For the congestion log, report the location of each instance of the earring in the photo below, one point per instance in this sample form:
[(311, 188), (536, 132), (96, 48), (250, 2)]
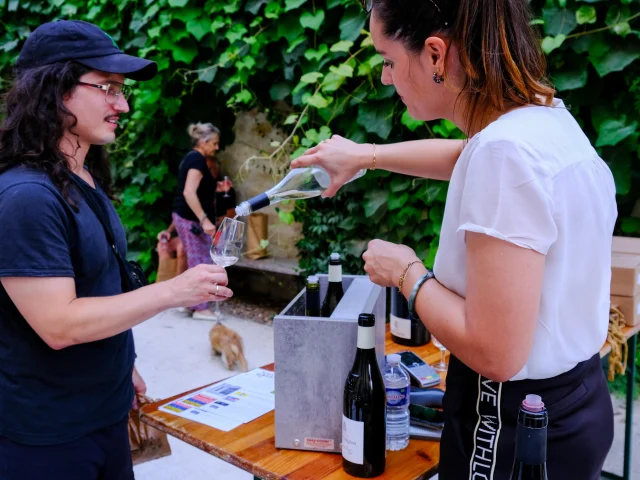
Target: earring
[(437, 77)]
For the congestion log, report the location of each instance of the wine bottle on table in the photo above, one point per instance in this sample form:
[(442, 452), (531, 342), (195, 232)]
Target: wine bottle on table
[(364, 410), (335, 292), (530, 461), (405, 330), (298, 184), (313, 297)]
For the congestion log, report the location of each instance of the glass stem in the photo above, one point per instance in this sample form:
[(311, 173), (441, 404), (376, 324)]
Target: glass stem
[(442, 353)]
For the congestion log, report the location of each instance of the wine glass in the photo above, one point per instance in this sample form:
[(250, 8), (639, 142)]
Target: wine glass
[(226, 194), (227, 246), (440, 366)]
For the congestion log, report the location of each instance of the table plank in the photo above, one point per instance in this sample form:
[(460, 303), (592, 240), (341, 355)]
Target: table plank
[(628, 332)]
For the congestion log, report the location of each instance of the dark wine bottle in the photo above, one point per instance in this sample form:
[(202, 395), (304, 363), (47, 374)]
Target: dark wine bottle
[(530, 461), (312, 307), (335, 291), (404, 329), (364, 431)]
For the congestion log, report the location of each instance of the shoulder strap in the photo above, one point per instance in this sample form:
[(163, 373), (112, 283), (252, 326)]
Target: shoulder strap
[(99, 213)]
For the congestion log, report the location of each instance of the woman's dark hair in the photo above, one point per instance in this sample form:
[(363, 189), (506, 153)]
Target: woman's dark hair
[(35, 120), (499, 49)]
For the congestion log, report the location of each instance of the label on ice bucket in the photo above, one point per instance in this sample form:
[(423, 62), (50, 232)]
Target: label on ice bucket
[(319, 443), (397, 397), (352, 440)]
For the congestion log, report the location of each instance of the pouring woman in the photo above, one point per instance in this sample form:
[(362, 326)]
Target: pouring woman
[(519, 293)]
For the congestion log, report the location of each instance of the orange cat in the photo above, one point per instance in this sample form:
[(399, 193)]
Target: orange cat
[(228, 343)]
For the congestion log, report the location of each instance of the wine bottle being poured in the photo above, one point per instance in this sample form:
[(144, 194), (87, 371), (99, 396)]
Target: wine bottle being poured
[(298, 184)]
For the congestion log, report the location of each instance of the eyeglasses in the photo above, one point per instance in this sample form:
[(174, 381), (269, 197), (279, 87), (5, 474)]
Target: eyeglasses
[(112, 91)]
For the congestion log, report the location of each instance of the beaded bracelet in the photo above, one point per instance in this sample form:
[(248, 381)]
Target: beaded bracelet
[(414, 292)]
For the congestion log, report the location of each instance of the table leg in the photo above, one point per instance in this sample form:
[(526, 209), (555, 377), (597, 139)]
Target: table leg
[(628, 426), (628, 430)]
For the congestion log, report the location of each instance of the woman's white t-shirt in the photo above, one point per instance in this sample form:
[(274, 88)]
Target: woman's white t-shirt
[(533, 179)]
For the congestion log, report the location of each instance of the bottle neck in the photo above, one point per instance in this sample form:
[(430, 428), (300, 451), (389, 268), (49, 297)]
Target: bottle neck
[(366, 338), (335, 273), (531, 444)]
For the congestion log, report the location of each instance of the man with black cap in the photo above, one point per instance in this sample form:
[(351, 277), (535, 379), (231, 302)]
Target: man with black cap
[(66, 310)]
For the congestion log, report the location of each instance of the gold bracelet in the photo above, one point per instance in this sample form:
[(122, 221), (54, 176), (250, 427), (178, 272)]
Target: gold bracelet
[(374, 157), (406, 270)]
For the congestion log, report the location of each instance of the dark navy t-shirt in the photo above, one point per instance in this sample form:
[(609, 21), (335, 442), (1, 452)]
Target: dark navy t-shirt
[(51, 396)]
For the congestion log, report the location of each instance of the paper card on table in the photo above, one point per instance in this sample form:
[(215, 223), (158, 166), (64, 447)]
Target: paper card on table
[(230, 403)]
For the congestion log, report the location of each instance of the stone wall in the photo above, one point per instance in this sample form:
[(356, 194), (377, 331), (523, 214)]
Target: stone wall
[(253, 137)]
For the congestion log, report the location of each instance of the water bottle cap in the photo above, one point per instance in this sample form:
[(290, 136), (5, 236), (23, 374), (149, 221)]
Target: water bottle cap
[(393, 359), (533, 403), (335, 256), (312, 279)]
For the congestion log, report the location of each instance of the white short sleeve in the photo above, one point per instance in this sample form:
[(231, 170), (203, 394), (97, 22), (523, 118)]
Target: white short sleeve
[(506, 195)]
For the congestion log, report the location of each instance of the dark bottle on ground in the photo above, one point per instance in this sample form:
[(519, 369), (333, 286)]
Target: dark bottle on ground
[(335, 292), (364, 411), (530, 461), (404, 329), (312, 297)]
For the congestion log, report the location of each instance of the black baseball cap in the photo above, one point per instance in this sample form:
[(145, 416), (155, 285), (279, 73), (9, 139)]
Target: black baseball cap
[(84, 43)]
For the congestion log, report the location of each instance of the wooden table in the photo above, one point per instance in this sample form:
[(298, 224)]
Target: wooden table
[(251, 446)]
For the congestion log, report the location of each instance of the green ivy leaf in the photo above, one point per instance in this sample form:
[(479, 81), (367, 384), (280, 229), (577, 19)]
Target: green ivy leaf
[(570, 78), (398, 201), (376, 117), (318, 101), (186, 14), (400, 183), (332, 82), (586, 14), (429, 192), (311, 77), (236, 32), (558, 21), (375, 200), (289, 27), (217, 24), (342, 46), (178, 3), (199, 27), (351, 24), (614, 130), (343, 70), (184, 51), (285, 217), (291, 119), (273, 10), (549, 44), (253, 6), (280, 91), (316, 55), (630, 225), (292, 4), (312, 21), (409, 122), (615, 60)]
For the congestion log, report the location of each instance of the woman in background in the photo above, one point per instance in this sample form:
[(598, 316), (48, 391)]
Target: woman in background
[(202, 197)]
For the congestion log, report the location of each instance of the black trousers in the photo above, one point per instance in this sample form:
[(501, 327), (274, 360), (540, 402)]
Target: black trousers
[(478, 440), (101, 455)]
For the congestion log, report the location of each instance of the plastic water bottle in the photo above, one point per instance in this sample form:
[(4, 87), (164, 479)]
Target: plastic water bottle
[(397, 385)]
